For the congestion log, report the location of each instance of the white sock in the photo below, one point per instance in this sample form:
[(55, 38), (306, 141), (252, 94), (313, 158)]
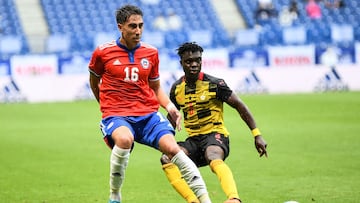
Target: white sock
[(118, 162), (192, 176)]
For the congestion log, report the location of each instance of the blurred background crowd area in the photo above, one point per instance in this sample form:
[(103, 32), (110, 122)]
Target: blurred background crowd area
[(68, 26)]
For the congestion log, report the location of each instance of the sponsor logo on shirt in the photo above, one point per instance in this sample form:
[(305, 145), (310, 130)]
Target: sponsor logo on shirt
[(116, 62)]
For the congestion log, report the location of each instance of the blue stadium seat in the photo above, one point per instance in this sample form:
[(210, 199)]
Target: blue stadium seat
[(103, 37), (247, 37), (11, 44), (294, 35), (174, 38), (342, 33), (203, 37), (58, 43)]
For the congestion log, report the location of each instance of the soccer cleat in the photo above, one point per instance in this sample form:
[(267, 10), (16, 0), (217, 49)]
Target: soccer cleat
[(114, 201), (233, 200)]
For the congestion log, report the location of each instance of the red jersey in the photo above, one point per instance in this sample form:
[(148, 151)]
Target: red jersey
[(125, 75)]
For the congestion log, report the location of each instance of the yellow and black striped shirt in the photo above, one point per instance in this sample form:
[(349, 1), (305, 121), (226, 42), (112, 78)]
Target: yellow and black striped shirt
[(202, 104)]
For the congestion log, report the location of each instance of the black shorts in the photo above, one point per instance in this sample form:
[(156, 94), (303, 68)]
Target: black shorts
[(197, 145)]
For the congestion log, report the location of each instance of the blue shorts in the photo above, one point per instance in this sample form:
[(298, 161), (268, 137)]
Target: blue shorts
[(146, 130)]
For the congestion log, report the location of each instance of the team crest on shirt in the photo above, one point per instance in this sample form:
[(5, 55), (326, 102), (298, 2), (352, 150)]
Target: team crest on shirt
[(203, 96), (144, 63)]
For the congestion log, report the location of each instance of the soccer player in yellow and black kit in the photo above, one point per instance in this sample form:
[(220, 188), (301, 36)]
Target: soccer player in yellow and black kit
[(201, 96)]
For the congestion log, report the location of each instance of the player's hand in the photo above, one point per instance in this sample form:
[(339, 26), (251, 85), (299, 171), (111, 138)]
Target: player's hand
[(175, 115), (173, 123), (261, 145)]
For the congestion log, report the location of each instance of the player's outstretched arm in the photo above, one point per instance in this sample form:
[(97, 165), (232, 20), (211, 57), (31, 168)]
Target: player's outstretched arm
[(245, 114)]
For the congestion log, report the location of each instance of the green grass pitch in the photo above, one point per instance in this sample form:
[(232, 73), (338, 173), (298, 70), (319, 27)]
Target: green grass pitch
[(53, 152)]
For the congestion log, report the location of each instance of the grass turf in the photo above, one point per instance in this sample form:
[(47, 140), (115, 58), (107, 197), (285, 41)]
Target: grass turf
[(54, 152)]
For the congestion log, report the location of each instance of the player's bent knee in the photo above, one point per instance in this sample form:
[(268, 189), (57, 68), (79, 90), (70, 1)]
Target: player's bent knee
[(164, 159), (125, 142), (213, 153)]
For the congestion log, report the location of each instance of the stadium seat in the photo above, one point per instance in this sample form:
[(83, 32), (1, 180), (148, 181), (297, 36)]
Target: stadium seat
[(58, 43), (11, 44), (155, 38), (103, 37), (247, 37), (202, 37), (342, 33), (294, 35)]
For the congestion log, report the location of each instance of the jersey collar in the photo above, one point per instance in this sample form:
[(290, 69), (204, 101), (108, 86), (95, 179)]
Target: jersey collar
[(200, 76), (124, 47)]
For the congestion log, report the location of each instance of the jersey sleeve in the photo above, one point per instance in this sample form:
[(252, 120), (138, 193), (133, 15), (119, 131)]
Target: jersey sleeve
[(223, 90), (154, 74), (96, 65)]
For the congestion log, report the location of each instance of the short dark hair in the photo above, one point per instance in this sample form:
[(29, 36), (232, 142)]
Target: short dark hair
[(123, 13), (189, 46)]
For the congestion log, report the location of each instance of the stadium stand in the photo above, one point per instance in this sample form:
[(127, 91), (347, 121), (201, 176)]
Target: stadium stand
[(86, 23), (334, 22), (11, 31), (83, 19)]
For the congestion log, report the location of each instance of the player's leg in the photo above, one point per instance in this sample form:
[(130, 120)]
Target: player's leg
[(159, 134), (119, 137), (215, 153), (225, 176), (119, 158), (175, 178), (191, 174)]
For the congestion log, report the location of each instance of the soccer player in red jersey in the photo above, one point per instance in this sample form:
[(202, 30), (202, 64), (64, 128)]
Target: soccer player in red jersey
[(124, 78)]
